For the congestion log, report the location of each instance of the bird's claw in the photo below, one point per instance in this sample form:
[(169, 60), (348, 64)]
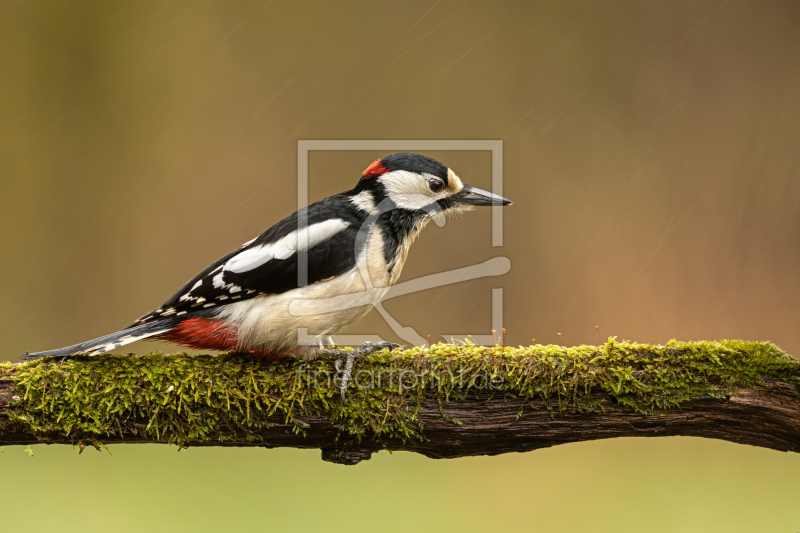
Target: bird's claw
[(346, 372), (350, 357)]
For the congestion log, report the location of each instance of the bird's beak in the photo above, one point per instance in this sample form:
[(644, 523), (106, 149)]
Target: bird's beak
[(472, 196)]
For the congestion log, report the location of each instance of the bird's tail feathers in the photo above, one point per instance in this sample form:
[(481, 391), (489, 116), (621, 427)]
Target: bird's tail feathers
[(108, 342)]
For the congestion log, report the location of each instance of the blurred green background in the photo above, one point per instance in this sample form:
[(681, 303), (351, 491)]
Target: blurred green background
[(652, 151)]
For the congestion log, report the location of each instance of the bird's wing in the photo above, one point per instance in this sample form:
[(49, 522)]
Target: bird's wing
[(269, 263)]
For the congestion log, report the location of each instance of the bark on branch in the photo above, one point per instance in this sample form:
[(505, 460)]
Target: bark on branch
[(443, 402)]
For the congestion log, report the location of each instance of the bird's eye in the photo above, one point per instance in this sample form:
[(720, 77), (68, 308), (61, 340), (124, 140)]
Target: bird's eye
[(435, 185)]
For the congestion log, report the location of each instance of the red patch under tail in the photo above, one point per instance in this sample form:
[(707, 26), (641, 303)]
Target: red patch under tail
[(203, 334), (212, 334)]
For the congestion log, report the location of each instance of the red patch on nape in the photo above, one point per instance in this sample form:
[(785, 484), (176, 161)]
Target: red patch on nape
[(202, 334), (375, 169)]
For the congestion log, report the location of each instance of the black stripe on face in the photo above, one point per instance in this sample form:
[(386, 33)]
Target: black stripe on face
[(396, 225)]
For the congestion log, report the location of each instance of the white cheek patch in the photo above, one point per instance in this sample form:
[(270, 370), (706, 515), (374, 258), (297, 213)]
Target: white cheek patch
[(283, 248), (409, 190)]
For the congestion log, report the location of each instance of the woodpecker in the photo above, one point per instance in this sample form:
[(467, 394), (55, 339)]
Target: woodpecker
[(350, 244)]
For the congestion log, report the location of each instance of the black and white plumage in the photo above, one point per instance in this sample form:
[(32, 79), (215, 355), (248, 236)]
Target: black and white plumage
[(355, 242)]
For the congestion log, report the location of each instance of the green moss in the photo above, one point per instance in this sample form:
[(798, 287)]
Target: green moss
[(184, 399)]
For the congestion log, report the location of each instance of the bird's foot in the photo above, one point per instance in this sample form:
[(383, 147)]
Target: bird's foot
[(348, 357)]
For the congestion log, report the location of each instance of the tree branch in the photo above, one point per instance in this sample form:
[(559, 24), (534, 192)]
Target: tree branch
[(446, 401)]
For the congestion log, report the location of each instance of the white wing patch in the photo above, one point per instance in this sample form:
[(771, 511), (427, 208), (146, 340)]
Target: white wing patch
[(219, 283), (247, 260), (284, 247)]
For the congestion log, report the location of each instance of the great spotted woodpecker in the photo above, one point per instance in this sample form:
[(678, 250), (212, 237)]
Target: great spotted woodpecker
[(353, 243)]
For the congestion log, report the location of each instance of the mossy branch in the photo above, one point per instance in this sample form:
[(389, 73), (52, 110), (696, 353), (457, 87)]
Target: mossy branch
[(443, 401)]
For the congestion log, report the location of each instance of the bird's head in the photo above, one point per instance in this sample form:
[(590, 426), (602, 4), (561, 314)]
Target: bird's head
[(421, 184)]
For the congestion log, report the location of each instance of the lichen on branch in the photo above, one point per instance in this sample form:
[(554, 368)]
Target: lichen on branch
[(206, 399)]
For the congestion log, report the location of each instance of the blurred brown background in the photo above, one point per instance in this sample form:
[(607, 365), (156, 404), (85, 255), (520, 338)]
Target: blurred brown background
[(652, 151)]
